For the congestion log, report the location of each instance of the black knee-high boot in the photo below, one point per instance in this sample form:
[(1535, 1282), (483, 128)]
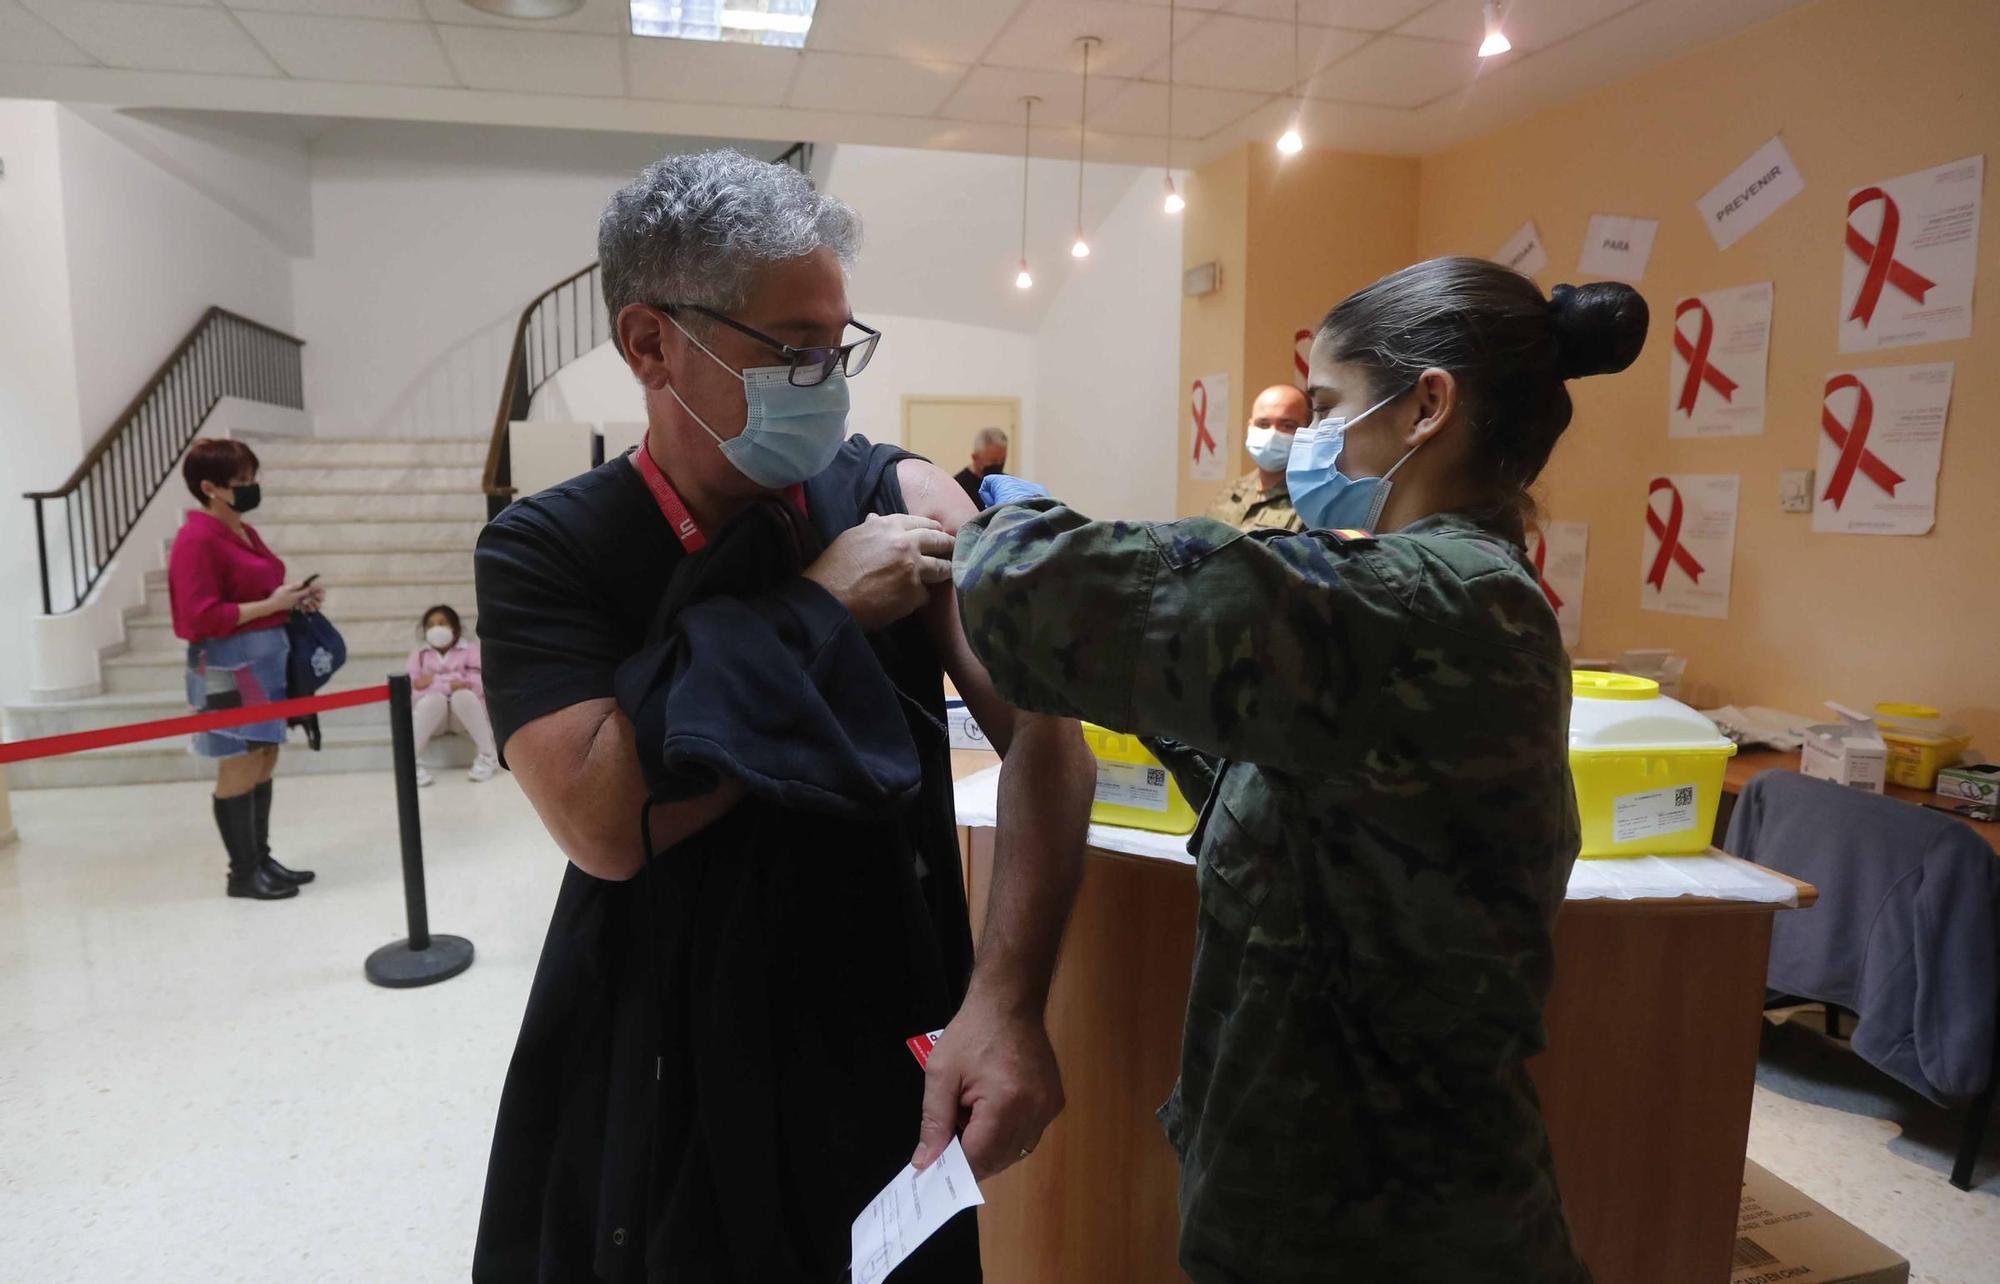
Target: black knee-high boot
[(262, 793), (236, 818)]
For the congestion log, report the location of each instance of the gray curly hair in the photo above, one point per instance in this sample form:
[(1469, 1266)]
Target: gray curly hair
[(696, 228)]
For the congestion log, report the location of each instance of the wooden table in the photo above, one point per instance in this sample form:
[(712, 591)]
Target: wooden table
[(1646, 1084), (1747, 764)]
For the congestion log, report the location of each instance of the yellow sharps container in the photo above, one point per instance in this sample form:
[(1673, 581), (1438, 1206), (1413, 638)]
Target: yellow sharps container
[(1133, 788), (1648, 769)]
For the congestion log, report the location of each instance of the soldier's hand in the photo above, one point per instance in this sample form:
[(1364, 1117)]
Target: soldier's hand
[(882, 569), (992, 1078)]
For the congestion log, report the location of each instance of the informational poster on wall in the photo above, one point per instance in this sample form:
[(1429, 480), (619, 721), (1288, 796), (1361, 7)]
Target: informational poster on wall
[(1690, 544), (1751, 193), (1559, 551), (1881, 441), (1208, 426), (1617, 246), (1524, 251), (1911, 249), (1302, 342), (1722, 351)]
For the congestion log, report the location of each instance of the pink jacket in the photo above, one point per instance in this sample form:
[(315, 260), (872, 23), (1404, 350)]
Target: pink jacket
[(461, 662), (211, 574)]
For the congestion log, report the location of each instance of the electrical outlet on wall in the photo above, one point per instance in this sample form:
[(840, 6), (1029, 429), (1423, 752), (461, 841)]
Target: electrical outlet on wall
[(1795, 490)]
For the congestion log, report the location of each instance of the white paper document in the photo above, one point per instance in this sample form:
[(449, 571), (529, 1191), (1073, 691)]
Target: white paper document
[(1617, 246), (1752, 193), (1881, 441), (1690, 543), (909, 1211), (1722, 350), (1208, 427), (1909, 253), (1524, 251), (1558, 551)]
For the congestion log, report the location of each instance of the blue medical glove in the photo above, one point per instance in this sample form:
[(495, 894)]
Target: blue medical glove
[(1002, 489)]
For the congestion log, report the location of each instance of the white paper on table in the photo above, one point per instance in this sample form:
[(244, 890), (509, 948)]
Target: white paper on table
[(1208, 427), (1881, 441), (1524, 251), (1751, 193), (1617, 246), (1690, 543), (1909, 251), (909, 1211), (1558, 551), (1721, 356), (1635, 878)]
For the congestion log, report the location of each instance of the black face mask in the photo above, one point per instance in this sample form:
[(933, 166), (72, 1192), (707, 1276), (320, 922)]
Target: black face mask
[(245, 497), (992, 470)]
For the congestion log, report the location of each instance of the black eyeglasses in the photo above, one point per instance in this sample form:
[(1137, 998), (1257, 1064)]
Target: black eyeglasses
[(809, 365)]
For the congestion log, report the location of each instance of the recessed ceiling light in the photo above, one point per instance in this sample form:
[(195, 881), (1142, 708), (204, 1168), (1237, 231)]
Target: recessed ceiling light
[(530, 9), (782, 23)]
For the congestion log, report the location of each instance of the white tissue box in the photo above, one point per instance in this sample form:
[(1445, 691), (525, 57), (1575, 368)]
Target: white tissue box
[(1850, 752)]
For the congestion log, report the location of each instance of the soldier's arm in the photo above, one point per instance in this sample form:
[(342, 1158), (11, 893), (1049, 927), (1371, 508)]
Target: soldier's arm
[(1255, 648)]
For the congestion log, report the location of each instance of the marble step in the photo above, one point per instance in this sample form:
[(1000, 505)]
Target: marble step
[(367, 480), (406, 505), (139, 673), (367, 534), (366, 629), (334, 565), (409, 594), (33, 721), (352, 452), (343, 749)]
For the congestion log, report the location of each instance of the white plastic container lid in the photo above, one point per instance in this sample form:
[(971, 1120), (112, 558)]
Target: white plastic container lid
[(1614, 712)]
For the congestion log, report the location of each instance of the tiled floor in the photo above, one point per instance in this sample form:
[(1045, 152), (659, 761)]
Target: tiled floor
[(198, 1089)]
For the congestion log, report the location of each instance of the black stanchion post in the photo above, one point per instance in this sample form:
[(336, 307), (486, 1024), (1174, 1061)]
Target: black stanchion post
[(422, 958)]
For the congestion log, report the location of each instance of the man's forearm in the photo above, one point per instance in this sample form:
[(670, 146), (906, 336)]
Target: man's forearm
[(1046, 784)]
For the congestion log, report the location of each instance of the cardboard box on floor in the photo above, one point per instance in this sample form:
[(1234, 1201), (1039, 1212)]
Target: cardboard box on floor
[(1783, 1235)]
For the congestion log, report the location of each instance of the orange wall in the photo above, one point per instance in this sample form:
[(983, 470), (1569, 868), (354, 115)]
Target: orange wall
[(1861, 91)]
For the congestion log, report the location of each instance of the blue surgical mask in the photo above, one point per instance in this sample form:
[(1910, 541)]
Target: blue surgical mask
[(1328, 499), (1268, 448), (789, 433)]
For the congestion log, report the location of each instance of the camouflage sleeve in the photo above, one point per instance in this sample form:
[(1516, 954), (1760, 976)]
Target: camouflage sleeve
[(1259, 648)]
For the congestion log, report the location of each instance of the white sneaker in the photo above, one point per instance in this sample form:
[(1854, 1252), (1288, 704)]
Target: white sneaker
[(483, 768), (424, 776)]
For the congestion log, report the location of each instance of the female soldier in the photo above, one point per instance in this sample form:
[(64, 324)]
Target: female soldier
[(1378, 726)]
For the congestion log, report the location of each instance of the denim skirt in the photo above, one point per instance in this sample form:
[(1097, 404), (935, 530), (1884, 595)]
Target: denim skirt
[(235, 672)]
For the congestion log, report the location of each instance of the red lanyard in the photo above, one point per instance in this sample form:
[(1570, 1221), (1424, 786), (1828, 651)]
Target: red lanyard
[(675, 511)]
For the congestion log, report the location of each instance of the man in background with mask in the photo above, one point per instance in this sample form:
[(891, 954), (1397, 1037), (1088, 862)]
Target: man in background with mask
[(989, 456), (1259, 500), (712, 1075)]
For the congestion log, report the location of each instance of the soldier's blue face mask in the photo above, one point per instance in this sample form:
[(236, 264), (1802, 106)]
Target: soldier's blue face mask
[(789, 433), (1328, 499)]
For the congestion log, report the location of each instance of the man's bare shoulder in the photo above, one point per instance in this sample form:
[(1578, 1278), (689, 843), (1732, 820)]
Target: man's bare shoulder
[(929, 491)]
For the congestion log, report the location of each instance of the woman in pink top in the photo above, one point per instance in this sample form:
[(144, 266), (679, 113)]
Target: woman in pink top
[(444, 673), (229, 600)]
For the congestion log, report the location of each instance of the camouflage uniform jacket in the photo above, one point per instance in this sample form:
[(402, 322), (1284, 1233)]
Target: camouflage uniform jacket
[(1247, 506), (1380, 860)]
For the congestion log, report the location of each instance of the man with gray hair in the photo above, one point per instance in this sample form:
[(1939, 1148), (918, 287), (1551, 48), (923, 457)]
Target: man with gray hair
[(989, 456), (715, 665)]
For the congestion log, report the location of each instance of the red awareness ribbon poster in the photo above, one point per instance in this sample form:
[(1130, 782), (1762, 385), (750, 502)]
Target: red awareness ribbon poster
[(1690, 544), (1302, 342), (1881, 445), (1558, 551), (1909, 252), (1721, 354), (1208, 411)]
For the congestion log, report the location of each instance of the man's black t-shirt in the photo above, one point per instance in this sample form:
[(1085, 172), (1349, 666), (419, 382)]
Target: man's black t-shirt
[(968, 481)]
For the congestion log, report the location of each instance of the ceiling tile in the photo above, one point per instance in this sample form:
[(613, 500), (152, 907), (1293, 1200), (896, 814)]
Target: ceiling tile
[(159, 37), (1361, 15), (938, 30), (1227, 52), (697, 71), (1393, 71), (535, 62), (409, 10), (1044, 36), (605, 17), (994, 94), (362, 50), (882, 86), (26, 38), (1530, 24), (1142, 109)]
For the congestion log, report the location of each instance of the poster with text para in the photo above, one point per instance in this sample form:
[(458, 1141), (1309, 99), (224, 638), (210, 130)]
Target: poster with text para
[(1881, 439), (1689, 545), (1208, 426), (1558, 551), (1910, 249), (1722, 349)]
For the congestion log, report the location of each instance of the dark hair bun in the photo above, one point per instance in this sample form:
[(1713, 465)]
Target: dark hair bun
[(1599, 328)]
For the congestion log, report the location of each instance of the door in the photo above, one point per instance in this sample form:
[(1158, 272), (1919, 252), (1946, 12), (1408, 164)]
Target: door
[(941, 429)]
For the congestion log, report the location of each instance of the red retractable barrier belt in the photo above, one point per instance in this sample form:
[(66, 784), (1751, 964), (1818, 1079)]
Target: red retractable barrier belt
[(133, 733)]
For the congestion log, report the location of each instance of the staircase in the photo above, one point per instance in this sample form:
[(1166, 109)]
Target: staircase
[(388, 526)]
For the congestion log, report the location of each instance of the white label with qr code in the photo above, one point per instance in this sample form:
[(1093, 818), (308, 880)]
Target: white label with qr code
[(1131, 784), (1655, 814)]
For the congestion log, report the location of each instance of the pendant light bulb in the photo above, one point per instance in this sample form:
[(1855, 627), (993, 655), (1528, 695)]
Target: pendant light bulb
[(1174, 203), (1289, 142), (1081, 250), (1022, 280), (1496, 41)]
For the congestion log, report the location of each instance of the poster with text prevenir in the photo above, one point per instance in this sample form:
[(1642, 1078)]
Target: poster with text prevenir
[(1751, 193), (1908, 255), (1689, 545), (1208, 427), (1722, 349), (1559, 551), (1881, 440)]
